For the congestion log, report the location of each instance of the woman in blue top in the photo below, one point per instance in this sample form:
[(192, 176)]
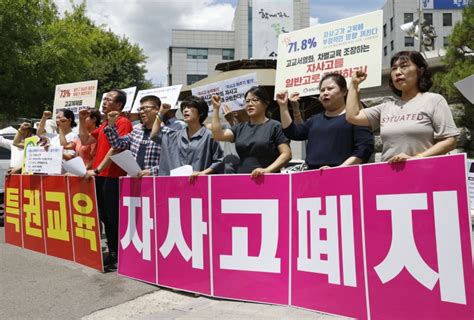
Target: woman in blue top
[(332, 141)]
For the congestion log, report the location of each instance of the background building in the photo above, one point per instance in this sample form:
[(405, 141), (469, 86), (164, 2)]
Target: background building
[(193, 54), (441, 14)]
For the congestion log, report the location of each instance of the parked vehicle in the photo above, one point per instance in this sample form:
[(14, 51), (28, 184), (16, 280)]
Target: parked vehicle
[(6, 136)]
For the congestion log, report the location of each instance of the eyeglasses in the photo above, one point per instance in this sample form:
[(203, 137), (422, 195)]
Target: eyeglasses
[(145, 108), (252, 101)]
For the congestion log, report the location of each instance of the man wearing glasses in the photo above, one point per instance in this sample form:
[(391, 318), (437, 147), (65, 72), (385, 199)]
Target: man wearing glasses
[(107, 173), (145, 150)]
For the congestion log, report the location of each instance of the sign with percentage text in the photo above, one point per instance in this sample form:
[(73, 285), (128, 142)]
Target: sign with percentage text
[(75, 96), (344, 46)]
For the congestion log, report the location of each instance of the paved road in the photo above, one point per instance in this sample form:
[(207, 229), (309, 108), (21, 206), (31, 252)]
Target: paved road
[(36, 286)]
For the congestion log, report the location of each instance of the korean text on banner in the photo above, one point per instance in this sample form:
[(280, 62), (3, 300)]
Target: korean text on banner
[(167, 95), (418, 239), (75, 96), (344, 46), (42, 160), (231, 91)]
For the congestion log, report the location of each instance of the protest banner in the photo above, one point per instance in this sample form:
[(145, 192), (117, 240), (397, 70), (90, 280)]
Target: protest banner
[(343, 46), (130, 96), (183, 234), (75, 96), (327, 242), (137, 230), (54, 215), (167, 95), (269, 19), (231, 91), (418, 239), (29, 142), (44, 160), (13, 211), (366, 235)]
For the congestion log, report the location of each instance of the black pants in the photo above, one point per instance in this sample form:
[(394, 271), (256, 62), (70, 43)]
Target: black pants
[(107, 190)]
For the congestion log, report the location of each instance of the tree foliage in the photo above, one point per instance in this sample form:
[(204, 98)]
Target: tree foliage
[(459, 59), (41, 49)]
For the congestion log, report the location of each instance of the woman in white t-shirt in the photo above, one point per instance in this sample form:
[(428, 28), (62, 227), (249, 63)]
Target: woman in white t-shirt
[(420, 124), (65, 122)]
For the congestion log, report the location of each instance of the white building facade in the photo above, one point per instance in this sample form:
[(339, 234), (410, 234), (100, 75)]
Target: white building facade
[(193, 54), (441, 14)]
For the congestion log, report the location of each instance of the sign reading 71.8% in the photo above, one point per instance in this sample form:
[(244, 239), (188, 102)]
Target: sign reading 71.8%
[(305, 44)]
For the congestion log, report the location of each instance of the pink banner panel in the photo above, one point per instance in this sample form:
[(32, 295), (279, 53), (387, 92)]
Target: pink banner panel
[(182, 212), (250, 237), (418, 239), (327, 257), (137, 248)]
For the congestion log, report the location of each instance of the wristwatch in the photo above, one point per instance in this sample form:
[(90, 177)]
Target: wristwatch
[(96, 171)]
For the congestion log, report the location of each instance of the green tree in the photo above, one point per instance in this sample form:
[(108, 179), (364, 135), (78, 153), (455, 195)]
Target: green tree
[(40, 50), (459, 59)]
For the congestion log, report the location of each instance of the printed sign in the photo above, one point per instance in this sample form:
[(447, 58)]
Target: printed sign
[(75, 96), (167, 95), (269, 20), (344, 46), (231, 91), (41, 160)]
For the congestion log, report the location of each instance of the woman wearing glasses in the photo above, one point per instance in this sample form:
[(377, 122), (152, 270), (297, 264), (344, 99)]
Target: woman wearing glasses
[(260, 142), (332, 141)]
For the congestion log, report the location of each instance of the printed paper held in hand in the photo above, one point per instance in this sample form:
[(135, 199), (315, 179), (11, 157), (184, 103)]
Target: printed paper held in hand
[(127, 162), (75, 166), (184, 171)]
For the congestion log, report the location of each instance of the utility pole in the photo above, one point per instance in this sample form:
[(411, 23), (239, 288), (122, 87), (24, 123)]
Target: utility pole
[(420, 25)]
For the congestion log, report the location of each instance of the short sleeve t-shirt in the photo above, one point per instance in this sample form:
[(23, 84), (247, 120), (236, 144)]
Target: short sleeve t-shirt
[(257, 145), (413, 126), (124, 126)]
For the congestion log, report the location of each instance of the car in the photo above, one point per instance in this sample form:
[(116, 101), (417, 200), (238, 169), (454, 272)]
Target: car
[(6, 136)]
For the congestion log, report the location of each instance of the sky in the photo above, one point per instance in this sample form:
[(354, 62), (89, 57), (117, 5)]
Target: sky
[(149, 22)]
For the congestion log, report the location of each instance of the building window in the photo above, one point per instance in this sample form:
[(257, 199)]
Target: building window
[(409, 42), (196, 53), (227, 54), (385, 50), (391, 45), (191, 78), (428, 18), (407, 17), (391, 23), (384, 30), (445, 42), (447, 19)]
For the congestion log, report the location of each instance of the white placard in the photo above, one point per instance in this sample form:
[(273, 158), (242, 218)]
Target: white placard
[(270, 18), (75, 96), (183, 171), (130, 95), (167, 95), (75, 166), (466, 87), (470, 182), (344, 46), (40, 160), (127, 162), (231, 91)]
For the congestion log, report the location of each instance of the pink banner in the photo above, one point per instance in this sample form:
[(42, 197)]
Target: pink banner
[(418, 239), (327, 260), (183, 233), (250, 237), (375, 241), (137, 249)]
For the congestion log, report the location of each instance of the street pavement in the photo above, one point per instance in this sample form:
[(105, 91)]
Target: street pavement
[(36, 286)]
